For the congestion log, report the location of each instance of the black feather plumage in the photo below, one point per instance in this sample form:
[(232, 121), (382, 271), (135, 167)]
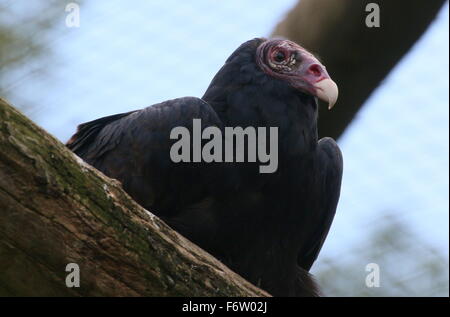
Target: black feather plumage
[(269, 228)]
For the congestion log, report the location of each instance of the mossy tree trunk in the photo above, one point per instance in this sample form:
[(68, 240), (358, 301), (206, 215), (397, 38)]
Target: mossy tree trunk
[(56, 210)]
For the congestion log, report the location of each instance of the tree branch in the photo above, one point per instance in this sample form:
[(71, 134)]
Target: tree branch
[(358, 58), (55, 210)]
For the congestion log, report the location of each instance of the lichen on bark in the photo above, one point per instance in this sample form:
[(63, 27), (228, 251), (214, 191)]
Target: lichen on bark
[(55, 209)]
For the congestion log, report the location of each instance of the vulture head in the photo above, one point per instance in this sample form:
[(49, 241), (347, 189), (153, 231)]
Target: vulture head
[(275, 66), (289, 61)]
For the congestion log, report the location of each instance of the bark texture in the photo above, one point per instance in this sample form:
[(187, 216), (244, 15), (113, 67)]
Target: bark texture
[(55, 210)]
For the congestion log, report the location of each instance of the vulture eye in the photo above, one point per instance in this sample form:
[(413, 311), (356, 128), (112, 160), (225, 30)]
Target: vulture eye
[(279, 56)]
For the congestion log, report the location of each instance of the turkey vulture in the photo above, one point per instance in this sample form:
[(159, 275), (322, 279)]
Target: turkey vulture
[(268, 227)]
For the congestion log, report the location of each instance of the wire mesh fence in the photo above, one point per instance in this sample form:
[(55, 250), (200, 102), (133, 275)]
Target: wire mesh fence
[(394, 203)]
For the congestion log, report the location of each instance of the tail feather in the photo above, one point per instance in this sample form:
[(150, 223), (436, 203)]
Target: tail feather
[(88, 131), (306, 285)]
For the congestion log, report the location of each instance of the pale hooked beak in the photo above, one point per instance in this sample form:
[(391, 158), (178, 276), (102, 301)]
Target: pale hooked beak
[(314, 79), (327, 90)]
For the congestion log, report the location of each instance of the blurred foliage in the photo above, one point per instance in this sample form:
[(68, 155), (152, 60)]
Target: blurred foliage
[(25, 49), (408, 265), (28, 32)]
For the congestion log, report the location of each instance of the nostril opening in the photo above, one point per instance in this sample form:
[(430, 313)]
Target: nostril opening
[(315, 69)]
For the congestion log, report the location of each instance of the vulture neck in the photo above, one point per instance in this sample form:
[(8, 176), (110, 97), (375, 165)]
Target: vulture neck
[(278, 105)]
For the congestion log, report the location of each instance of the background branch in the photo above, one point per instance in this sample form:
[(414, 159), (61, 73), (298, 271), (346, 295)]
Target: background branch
[(358, 58)]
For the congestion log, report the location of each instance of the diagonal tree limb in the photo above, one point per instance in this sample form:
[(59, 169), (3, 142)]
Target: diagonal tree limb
[(55, 210), (358, 58)]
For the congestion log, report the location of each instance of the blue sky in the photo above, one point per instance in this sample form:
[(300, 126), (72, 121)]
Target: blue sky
[(127, 57)]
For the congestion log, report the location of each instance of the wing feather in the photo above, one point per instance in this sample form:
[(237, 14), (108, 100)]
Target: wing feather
[(326, 193), (134, 148)]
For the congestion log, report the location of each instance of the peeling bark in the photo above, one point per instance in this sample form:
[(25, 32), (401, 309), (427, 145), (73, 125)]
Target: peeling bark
[(55, 209)]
